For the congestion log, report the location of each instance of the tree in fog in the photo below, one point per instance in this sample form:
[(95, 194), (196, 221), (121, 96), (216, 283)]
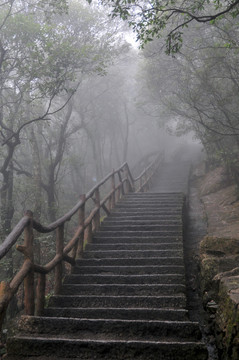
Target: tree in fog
[(154, 19), (198, 89), (40, 67)]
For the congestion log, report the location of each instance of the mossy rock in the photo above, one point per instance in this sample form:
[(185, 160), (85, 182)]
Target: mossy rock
[(219, 246), (227, 318), (213, 265), (209, 268)]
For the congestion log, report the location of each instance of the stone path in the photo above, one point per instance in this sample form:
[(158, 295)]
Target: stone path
[(126, 299)]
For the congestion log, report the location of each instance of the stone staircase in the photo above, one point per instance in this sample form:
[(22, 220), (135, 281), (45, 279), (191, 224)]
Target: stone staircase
[(126, 299)]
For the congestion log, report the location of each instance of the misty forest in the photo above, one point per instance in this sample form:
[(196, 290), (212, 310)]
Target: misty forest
[(86, 86)]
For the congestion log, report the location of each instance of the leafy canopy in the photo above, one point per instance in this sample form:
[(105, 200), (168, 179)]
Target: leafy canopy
[(154, 18)]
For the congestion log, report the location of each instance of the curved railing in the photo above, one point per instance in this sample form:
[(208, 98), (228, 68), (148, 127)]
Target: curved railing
[(120, 182)]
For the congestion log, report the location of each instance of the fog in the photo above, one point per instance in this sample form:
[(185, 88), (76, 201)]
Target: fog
[(79, 98)]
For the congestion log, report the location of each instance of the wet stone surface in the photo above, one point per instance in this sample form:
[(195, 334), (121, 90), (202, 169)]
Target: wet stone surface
[(195, 230)]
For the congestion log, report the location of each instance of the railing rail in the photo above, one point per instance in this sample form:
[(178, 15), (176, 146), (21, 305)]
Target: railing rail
[(34, 299)]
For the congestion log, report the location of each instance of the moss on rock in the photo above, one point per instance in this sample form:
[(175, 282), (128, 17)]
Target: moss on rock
[(219, 246), (227, 319), (220, 282)]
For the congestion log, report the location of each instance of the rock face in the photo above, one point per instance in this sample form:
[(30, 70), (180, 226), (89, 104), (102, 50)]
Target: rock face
[(219, 260), (227, 315), (217, 255)]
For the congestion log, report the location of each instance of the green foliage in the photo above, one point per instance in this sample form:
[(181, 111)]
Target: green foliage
[(150, 18), (198, 90)]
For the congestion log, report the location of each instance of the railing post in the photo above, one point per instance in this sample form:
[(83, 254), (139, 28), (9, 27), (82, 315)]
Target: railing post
[(128, 181), (147, 179), (140, 184), (121, 182), (4, 292), (97, 215), (80, 247), (59, 266), (88, 234), (40, 296), (29, 297), (112, 200)]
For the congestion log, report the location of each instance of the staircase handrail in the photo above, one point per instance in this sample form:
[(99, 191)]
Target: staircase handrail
[(87, 226)]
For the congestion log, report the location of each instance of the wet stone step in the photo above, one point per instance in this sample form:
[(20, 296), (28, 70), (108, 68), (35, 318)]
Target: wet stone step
[(132, 254), (155, 195), (141, 233), (130, 270), (126, 298), (120, 313), (148, 211), (106, 350), (135, 246), (176, 301), (122, 289), (124, 279), (101, 239), (150, 203), (142, 227), (177, 202), (151, 208), (131, 262), (144, 216), (109, 328), (116, 222), (152, 196)]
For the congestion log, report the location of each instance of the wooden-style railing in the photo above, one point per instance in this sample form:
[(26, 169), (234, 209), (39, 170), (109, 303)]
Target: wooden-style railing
[(120, 182)]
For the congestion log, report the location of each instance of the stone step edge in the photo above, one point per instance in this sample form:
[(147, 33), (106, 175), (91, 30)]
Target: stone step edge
[(150, 342), (128, 286), (63, 319), (62, 347), (176, 296), (122, 276), (173, 309)]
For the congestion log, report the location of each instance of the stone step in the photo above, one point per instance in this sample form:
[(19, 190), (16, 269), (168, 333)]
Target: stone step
[(105, 350), (126, 298), (119, 239), (144, 216), (143, 233), (95, 301), (124, 279), (99, 254), (143, 222), (108, 328), (129, 270), (120, 313), (134, 246), (122, 289), (141, 211), (141, 227), (150, 203), (150, 207), (154, 195), (131, 262)]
